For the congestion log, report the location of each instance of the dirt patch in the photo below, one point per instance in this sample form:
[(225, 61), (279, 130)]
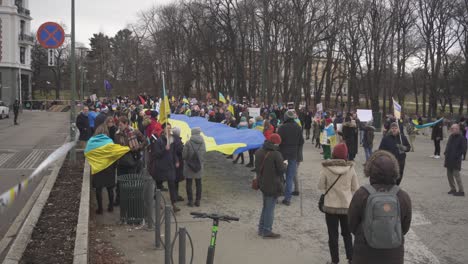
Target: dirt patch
[(101, 250), (53, 239)]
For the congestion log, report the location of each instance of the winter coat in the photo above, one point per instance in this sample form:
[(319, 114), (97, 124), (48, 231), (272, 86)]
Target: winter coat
[(308, 121), (104, 178), (317, 129), (267, 132), (91, 118), (195, 144), (82, 123), (389, 143), (270, 178), (363, 253), (368, 138), (162, 161), (179, 148), (291, 139), (154, 127), (456, 147), (339, 197), (437, 132), (350, 136)]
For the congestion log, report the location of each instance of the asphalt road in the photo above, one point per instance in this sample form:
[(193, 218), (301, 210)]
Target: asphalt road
[(22, 149)]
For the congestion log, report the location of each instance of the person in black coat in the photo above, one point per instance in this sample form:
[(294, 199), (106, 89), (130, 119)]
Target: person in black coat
[(308, 124), (179, 165), (398, 145), (163, 163), (437, 136), (456, 147), (350, 136), (82, 123)]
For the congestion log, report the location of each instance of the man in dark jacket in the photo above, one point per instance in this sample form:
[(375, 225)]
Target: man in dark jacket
[(350, 136), (456, 147), (398, 145), (291, 142), (437, 136), (270, 168), (16, 107), (82, 123), (382, 170)]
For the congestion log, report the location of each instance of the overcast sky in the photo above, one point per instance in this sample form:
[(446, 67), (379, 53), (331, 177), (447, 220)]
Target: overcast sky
[(92, 16)]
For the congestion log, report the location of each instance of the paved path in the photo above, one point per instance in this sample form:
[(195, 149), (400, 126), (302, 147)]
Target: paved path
[(22, 149), (437, 235)]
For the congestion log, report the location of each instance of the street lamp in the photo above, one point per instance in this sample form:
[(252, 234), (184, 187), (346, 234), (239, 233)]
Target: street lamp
[(73, 84), (82, 50)]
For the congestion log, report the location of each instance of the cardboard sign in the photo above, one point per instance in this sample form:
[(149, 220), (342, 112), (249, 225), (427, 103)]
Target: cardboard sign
[(364, 115), (254, 112), (320, 107)]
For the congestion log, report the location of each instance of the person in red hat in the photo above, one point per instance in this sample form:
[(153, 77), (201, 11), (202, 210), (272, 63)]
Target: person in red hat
[(338, 180), (269, 167)]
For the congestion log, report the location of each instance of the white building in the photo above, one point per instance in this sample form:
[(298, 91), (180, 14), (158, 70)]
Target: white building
[(16, 43)]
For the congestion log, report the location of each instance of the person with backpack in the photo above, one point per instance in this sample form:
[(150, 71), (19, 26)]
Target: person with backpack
[(194, 156), (269, 167), (368, 140), (338, 180), (380, 213)]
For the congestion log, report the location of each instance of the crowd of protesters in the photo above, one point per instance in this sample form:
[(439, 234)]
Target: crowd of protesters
[(158, 148)]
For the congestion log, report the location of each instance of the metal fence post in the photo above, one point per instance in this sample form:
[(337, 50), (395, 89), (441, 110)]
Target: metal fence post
[(182, 235), (167, 235), (157, 220)]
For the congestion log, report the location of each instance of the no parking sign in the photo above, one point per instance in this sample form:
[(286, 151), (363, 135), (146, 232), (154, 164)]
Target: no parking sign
[(51, 36)]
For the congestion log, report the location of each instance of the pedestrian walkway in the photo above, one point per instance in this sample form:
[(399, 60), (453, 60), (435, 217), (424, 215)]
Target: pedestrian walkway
[(437, 233)]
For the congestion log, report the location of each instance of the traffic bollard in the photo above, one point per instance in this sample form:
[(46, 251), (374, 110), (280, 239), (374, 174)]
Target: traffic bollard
[(167, 235), (182, 235), (157, 220)]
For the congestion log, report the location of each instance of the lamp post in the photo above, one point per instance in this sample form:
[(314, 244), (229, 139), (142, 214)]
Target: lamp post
[(82, 50), (73, 83)]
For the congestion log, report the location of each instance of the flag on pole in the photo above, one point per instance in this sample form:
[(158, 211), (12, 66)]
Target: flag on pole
[(228, 98), (221, 98), (231, 109), (396, 109), (164, 109), (142, 100), (107, 85), (185, 100)]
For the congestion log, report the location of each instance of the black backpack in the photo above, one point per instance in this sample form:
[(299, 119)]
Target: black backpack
[(194, 162)]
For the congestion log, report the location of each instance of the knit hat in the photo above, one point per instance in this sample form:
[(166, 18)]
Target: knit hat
[(394, 124), (258, 119), (275, 139), (243, 119), (289, 115), (328, 121), (176, 131), (196, 131), (273, 115), (340, 151), (382, 168)]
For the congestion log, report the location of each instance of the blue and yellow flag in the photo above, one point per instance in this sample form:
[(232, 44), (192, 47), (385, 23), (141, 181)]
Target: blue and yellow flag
[(221, 98), (185, 100), (396, 109), (231, 109), (101, 152), (164, 109)]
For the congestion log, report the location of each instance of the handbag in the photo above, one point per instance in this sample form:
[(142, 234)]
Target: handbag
[(321, 202), (255, 180)]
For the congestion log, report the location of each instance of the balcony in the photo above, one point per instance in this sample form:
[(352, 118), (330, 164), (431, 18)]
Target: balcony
[(25, 38), (23, 11)]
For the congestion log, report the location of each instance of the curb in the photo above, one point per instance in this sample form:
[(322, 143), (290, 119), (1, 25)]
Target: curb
[(80, 254), (21, 242)]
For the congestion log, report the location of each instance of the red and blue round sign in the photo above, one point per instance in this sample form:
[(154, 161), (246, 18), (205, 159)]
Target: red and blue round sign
[(50, 35)]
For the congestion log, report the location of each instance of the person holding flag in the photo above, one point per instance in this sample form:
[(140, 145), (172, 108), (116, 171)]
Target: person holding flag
[(395, 142)]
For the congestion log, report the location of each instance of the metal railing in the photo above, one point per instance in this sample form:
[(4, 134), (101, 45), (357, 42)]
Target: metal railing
[(23, 11), (26, 38)]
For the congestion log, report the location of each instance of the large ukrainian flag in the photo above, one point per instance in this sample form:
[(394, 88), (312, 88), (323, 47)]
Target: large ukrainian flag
[(101, 152)]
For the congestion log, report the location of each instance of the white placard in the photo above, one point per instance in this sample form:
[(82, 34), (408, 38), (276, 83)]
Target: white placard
[(93, 97), (254, 112), (320, 107), (364, 115)]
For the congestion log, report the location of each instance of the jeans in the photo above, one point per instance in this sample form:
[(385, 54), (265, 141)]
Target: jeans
[(437, 147), (290, 174), (333, 221), (188, 186), (149, 203), (268, 213), (451, 174), (402, 170), (361, 136), (367, 152)]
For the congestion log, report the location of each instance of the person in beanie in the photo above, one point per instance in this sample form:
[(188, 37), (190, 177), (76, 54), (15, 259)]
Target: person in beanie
[(269, 167), (456, 147), (437, 135), (291, 142), (326, 145), (398, 145), (338, 198), (383, 172), (195, 146)]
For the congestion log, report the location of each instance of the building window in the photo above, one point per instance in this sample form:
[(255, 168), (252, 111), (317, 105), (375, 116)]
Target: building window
[(22, 25), (22, 55)]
